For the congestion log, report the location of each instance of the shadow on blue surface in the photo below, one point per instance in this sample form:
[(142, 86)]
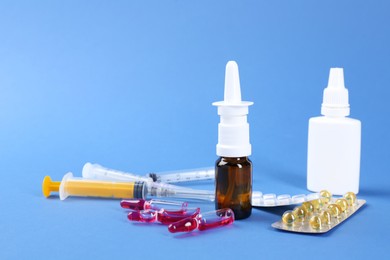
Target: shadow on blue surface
[(197, 233), (377, 192)]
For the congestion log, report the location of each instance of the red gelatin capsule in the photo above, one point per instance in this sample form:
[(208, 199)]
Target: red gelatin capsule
[(168, 217), (209, 220), (140, 204), (184, 225), (218, 218), (179, 212), (134, 204), (146, 216), (134, 216)]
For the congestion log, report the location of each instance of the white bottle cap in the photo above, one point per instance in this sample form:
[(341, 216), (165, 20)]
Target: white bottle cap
[(233, 129), (335, 100)]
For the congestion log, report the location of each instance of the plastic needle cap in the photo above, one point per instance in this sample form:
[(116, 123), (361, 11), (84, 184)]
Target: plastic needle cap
[(335, 99), (233, 129)]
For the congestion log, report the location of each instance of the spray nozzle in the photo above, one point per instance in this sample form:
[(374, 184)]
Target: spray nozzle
[(232, 93), (233, 129), (232, 84), (336, 78), (335, 101)]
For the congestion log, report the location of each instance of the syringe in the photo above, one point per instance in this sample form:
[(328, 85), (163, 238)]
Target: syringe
[(73, 186), (200, 174), (96, 171)]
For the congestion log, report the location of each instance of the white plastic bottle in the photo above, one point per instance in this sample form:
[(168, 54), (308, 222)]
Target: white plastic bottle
[(333, 161)]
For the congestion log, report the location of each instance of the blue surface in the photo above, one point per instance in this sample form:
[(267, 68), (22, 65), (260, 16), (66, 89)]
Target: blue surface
[(129, 85)]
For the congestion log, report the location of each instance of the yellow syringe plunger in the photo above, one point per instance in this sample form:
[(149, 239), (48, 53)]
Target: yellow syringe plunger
[(83, 187), (71, 186), (49, 186)]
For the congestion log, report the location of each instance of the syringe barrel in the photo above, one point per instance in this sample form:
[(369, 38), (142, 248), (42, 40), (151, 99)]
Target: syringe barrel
[(98, 172), (200, 174), (159, 190), (71, 186)]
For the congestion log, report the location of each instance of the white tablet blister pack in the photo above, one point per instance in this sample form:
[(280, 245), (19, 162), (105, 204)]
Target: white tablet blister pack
[(272, 200)]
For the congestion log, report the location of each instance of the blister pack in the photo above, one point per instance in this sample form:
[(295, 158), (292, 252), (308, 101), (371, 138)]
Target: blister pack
[(272, 200), (320, 215)]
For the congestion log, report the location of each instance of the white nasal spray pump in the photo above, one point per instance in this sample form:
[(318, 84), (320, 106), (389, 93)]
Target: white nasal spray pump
[(233, 129)]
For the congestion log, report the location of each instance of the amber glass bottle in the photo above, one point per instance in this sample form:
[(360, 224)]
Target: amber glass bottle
[(233, 170), (234, 185)]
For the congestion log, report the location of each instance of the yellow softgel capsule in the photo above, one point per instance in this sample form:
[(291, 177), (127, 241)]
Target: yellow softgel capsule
[(325, 216), (288, 218), (317, 204), (343, 204), (308, 208), (299, 214), (315, 222), (351, 198), (326, 196), (334, 210)]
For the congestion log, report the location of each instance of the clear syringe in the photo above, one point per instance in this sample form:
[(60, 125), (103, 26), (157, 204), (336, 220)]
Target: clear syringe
[(96, 171), (82, 187), (73, 186), (200, 174)]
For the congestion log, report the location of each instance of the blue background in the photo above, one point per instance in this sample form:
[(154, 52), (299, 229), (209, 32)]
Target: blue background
[(129, 85)]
